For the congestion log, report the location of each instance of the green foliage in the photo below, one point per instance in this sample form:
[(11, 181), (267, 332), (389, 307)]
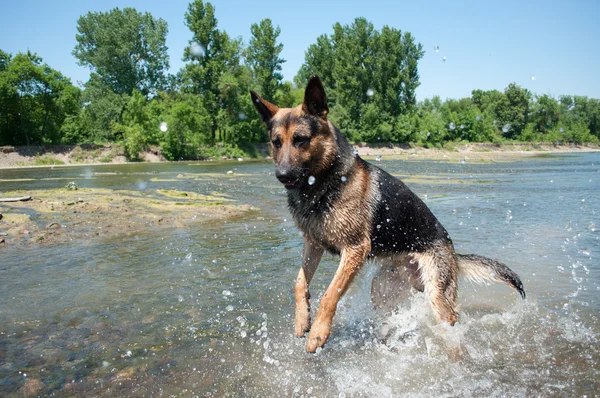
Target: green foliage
[(102, 108), (124, 48), (46, 161), (205, 111), (35, 100), (370, 77), (263, 58)]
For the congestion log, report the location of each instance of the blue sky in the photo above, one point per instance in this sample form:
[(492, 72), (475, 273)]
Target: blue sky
[(487, 45)]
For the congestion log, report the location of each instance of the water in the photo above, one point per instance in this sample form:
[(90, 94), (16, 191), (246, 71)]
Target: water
[(209, 310)]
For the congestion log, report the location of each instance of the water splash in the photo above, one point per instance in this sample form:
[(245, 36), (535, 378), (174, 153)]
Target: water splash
[(163, 126), (197, 50)]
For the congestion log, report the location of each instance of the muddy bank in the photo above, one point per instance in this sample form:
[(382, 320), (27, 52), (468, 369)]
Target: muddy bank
[(58, 155), (474, 152), (66, 214)]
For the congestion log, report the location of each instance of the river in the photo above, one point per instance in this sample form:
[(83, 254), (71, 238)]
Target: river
[(208, 311)]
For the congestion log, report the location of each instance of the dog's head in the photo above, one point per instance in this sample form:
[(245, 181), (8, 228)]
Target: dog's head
[(303, 142)]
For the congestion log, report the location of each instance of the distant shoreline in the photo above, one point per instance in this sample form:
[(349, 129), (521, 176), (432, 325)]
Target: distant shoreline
[(62, 155)]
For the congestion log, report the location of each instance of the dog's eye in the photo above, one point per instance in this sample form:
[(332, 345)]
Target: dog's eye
[(301, 140), (276, 143)]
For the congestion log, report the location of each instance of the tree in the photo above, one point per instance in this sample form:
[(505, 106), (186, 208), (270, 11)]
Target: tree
[(102, 108), (124, 48), (370, 78), (35, 100), (262, 55), (513, 112), (545, 113), (213, 69)]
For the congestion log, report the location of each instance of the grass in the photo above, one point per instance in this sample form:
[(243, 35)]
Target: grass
[(46, 161)]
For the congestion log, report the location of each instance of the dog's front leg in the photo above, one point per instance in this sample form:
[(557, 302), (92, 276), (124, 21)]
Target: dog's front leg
[(352, 259), (311, 256)]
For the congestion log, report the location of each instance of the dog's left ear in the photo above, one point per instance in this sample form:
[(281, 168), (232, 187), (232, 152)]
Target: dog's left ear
[(315, 100), (265, 109)]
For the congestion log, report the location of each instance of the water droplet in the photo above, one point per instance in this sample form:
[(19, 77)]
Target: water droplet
[(370, 92), (229, 308), (562, 130), (355, 152), (444, 59), (378, 158), (163, 126), (495, 122), (532, 77), (478, 117), (311, 180), (197, 50), (452, 126), (378, 226), (242, 116), (256, 100), (506, 128), (180, 298), (462, 126), (344, 179), (428, 134), (436, 48), (226, 293)]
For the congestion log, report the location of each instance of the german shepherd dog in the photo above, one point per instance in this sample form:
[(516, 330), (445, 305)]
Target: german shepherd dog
[(349, 207)]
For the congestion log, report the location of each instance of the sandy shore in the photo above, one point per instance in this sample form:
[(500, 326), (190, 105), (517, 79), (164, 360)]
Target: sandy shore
[(12, 157)]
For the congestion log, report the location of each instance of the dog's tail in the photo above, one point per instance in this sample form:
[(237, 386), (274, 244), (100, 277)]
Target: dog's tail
[(479, 268)]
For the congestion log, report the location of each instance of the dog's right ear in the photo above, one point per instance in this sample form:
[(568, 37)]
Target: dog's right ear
[(265, 109), (315, 100)]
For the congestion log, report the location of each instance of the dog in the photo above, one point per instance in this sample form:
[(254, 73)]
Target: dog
[(347, 206)]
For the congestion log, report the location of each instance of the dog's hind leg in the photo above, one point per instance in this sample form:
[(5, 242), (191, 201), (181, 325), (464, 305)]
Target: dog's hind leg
[(392, 283), (353, 257), (439, 273), (311, 256)]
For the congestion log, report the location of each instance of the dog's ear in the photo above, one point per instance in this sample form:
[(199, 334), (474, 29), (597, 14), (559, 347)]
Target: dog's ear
[(315, 100), (265, 109)]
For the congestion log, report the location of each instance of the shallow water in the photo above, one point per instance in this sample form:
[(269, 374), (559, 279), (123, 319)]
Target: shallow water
[(209, 310)]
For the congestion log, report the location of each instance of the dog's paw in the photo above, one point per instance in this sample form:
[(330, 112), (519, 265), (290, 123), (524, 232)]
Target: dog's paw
[(317, 337), (302, 326)]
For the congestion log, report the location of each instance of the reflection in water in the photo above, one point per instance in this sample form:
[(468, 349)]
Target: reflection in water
[(209, 310)]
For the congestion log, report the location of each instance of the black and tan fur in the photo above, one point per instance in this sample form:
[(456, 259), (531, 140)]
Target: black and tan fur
[(349, 207)]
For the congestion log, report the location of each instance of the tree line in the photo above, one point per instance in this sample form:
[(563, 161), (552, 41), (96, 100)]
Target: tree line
[(204, 109)]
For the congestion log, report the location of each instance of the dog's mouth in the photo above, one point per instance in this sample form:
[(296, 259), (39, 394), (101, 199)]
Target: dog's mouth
[(289, 182)]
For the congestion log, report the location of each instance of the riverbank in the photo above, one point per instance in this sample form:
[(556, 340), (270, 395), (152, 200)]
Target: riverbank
[(58, 155), (61, 215)]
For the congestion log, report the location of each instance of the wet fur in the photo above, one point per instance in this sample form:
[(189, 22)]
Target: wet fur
[(359, 211)]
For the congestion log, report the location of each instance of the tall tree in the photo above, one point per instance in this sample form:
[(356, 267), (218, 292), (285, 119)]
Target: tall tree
[(370, 76), (263, 57), (125, 48), (213, 64)]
